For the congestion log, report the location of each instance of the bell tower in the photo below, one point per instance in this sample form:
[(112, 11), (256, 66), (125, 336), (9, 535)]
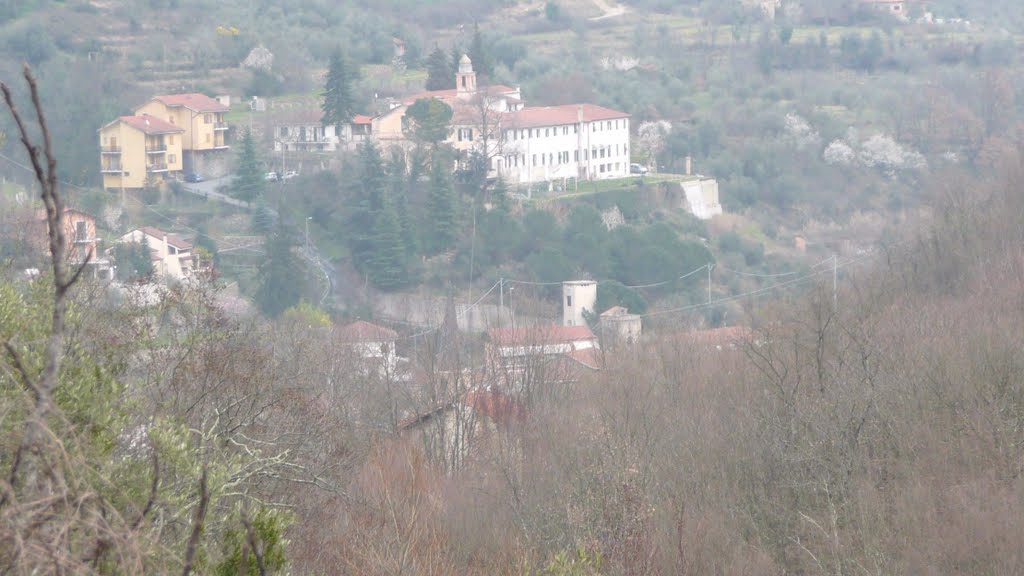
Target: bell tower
[(465, 80)]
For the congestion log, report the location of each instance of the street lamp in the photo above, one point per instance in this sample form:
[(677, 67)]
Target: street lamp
[(308, 218)]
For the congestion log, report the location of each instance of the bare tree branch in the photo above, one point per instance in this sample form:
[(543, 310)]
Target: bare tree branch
[(197, 525)]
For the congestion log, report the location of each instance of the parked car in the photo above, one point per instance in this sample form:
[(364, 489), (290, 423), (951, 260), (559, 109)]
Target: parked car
[(289, 175), (637, 169), (269, 176), (193, 177)]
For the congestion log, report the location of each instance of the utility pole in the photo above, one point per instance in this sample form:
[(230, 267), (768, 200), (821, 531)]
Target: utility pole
[(835, 281), (308, 218), (709, 282), (501, 300)]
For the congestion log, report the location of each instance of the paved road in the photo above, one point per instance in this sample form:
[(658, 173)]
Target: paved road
[(208, 189)]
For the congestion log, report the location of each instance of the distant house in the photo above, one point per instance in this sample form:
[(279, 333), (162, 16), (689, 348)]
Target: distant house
[(80, 239), (172, 256), (898, 8), (304, 131), (524, 348), (618, 326), (373, 344)]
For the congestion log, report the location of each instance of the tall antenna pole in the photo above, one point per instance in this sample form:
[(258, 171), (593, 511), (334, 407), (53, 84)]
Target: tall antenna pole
[(709, 282), (835, 280), (501, 301)]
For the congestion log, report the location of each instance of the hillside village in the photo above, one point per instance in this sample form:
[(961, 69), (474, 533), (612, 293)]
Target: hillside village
[(510, 287)]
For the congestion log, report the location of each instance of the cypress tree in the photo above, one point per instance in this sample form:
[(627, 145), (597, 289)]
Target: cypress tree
[(249, 183), (369, 202), (499, 195), (338, 105), (282, 280), (441, 208), (387, 266), (398, 193), (440, 75), (478, 54)]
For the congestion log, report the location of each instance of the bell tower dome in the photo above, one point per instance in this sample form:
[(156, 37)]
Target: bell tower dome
[(465, 80)]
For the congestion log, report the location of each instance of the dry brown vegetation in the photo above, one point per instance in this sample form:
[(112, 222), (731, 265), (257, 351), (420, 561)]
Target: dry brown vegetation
[(882, 435)]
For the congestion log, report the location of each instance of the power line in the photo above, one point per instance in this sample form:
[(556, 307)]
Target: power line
[(785, 284)]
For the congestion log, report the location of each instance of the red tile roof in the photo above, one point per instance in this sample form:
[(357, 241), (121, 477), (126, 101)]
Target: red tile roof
[(589, 357), (172, 239), (151, 124), (533, 117), (499, 407), (195, 102), (448, 95), (539, 335), (361, 119), (362, 331)]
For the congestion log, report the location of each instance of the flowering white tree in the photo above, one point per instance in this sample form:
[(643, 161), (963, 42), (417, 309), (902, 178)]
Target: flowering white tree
[(800, 132), (839, 152), (651, 138)]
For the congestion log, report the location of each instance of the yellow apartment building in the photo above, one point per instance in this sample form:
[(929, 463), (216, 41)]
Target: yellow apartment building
[(136, 148), (201, 116)]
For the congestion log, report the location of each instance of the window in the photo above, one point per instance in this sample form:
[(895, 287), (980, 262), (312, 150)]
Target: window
[(81, 231), (551, 158), (576, 156), (534, 159), (602, 168), (543, 160), (463, 82), (547, 132), (207, 118), (565, 130), (465, 134), (575, 129), (609, 124), (284, 131), (568, 301)]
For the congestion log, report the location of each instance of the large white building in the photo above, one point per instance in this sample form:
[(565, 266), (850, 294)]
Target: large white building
[(523, 144)]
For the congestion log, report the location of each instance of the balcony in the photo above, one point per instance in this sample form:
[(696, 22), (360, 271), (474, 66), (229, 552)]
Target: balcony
[(156, 168), (110, 149), (162, 149), (111, 169), (220, 126)]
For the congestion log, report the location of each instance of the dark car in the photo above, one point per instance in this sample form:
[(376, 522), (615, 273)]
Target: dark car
[(193, 177)]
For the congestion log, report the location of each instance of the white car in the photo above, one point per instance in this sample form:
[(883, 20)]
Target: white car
[(637, 169), (289, 175), (270, 176)]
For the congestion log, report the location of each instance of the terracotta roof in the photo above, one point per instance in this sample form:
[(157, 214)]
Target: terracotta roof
[(532, 117), (361, 119), (151, 124), (450, 94), (172, 239), (615, 311), (362, 331), (539, 335), (499, 407), (195, 102), (589, 357)]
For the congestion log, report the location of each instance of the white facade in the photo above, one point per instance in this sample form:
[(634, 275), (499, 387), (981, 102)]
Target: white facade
[(305, 137), (578, 296), (560, 142), (172, 256)]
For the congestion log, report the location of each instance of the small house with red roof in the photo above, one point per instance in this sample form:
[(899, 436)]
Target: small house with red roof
[(526, 348), (171, 255), (372, 344), (304, 131)]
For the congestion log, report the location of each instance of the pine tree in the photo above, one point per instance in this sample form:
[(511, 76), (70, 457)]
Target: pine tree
[(478, 54), (338, 105), (249, 183), (144, 260), (281, 276), (369, 203), (440, 75), (398, 184), (387, 265), (441, 208)]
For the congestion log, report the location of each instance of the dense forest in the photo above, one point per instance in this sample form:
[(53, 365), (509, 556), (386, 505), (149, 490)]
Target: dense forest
[(829, 378)]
